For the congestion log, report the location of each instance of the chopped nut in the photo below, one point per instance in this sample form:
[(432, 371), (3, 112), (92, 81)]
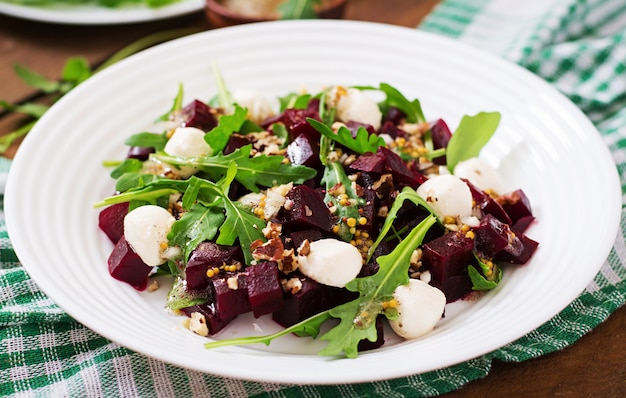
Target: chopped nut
[(292, 285), (154, 286), (197, 324), (305, 248), (289, 263), (233, 283), (383, 186), (271, 250), (272, 230)]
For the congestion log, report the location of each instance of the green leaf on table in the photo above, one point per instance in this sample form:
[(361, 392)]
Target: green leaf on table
[(36, 80), (470, 137), (76, 70), (28, 108), (298, 9)]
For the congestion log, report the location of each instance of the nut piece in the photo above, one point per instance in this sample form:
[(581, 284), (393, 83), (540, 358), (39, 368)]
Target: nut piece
[(197, 324)]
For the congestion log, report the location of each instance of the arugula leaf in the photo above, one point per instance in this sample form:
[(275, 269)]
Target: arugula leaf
[(263, 170), (146, 139), (198, 224), (479, 280), (393, 97), (294, 101), (407, 193), (177, 105), (27, 108), (228, 124), (36, 80), (127, 166), (240, 224), (224, 97), (335, 178), (178, 297), (358, 317), (76, 70), (362, 143), (470, 137)]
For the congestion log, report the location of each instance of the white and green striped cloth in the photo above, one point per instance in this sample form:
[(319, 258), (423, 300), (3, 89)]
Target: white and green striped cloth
[(579, 46)]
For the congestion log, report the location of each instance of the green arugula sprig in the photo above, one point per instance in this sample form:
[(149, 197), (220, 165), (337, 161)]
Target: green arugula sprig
[(209, 210), (470, 137), (363, 141), (252, 172), (75, 71), (357, 317), (333, 178)]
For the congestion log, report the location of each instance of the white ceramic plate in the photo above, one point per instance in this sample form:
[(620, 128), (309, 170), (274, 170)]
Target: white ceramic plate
[(95, 15), (544, 145)]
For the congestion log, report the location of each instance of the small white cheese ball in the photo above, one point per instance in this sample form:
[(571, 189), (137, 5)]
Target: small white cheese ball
[(146, 229), (188, 142), (259, 107), (420, 307), (447, 195), (353, 104), (479, 173), (331, 262)]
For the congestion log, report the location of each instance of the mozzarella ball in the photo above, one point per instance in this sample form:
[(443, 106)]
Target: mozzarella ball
[(146, 229), (448, 196), (353, 104), (331, 262), (259, 107), (479, 173), (188, 142), (420, 307)]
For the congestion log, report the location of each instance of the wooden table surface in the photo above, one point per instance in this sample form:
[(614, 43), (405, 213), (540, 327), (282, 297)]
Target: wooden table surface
[(595, 366)]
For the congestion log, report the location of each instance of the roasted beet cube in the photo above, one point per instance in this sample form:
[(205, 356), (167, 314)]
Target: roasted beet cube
[(312, 298), (264, 289), (306, 210), (296, 124), (370, 162), (524, 250), (236, 141), (297, 237), (231, 295), (366, 345), (214, 321), (492, 236), (441, 135), (198, 114), (401, 173), (447, 256), (209, 255), (354, 127), (111, 221), (487, 204), (139, 152), (125, 265), (516, 205), (394, 115), (303, 151), (522, 224), (455, 287)]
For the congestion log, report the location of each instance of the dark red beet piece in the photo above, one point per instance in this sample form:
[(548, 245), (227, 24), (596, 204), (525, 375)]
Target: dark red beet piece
[(522, 253), (492, 236), (394, 115), (391, 130), (208, 255), (487, 204), (139, 152), (354, 127), (125, 265), (264, 289), (199, 115), (522, 224), (515, 204), (230, 301), (297, 237), (441, 135), (111, 221), (307, 210), (301, 151), (296, 124), (366, 345), (236, 141), (311, 299), (455, 287), (214, 321), (370, 162), (446, 257)]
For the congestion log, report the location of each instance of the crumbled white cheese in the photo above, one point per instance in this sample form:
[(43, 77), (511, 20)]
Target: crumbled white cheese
[(420, 307), (331, 262), (448, 196), (146, 229), (197, 324), (479, 173)]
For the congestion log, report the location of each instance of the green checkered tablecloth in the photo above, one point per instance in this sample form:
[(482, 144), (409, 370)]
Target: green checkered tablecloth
[(578, 46)]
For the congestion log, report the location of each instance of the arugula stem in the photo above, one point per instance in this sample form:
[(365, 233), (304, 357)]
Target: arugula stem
[(7, 140)]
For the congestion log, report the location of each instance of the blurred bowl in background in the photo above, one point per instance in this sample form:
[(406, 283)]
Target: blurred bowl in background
[(221, 13)]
